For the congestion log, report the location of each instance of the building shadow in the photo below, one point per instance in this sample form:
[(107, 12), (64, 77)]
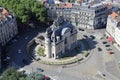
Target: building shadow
[(91, 41), (83, 45)]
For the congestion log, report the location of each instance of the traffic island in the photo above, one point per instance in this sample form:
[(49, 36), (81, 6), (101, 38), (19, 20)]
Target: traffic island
[(79, 59), (81, 56)]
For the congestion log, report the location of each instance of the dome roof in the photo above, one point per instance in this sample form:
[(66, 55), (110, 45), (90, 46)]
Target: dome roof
[(65, 30)]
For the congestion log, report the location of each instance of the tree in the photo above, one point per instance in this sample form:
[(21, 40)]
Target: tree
[(72, 1), (35, 76), (12, 74), (26, 10)]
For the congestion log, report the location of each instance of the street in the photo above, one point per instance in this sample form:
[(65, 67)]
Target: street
[(78, 71)]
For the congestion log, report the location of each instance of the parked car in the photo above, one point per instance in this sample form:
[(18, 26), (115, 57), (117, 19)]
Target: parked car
[(93, 37), (22, 70), (103, 74), (99, 49), (85, 36), (107, 45), (40, 69), (108, 49), (81, 29), (47, 78), (111, 52), (104, 42), (101, 38)]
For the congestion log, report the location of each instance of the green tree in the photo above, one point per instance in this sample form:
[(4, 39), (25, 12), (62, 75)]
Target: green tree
[(26, 10), (12, 74), (72, 1), (22, 78)]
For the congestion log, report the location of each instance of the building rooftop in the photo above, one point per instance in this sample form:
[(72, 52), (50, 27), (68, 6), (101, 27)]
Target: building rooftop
[(64, 5), (114, 15), (68, 5), (96, 5), (58, 28)]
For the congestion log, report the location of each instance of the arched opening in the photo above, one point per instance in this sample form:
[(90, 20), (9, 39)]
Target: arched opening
[(41, 37), (65, 42)]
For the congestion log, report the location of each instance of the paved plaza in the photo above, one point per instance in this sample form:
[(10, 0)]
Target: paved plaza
[(91, 69)]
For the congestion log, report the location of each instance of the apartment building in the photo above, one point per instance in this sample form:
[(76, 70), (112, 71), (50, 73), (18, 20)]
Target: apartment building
[(8, 26), (85, 15), (89, 16), (113, 28)]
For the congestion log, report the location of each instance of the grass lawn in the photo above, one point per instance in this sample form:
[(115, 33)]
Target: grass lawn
[(85, 53), (41, 51)]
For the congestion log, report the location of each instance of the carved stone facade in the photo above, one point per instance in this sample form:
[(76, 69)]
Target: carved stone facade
[(60, 37)]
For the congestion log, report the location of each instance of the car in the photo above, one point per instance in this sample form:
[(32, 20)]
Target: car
[(93, 37), (64, 66), (108, 49), (101, 38), (104, 42), (47, 78), (22, 70), (99, 49), (111, 52), (40, 69), (85, 36), (81, 29), (107, 45), (103, 74)]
